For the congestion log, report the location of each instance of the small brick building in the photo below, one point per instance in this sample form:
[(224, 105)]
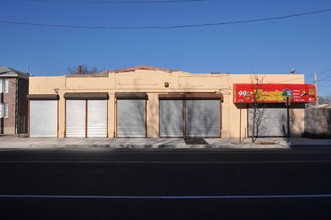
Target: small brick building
[(14, 87)]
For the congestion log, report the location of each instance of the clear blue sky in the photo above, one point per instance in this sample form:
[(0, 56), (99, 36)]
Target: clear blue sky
[(274, 46)]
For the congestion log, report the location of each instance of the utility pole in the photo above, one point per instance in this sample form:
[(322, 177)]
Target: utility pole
[(315, 83)]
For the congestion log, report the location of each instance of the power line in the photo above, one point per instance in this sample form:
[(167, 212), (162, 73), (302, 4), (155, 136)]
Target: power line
[(164, 27), (323, 72), (288, 80), (118, 2), (326, 81), (324, 78), (319, 73)]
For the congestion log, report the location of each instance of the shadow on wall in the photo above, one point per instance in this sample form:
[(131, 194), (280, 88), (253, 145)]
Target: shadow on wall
[(203, 118), (131, 118), (297, 125), (269, 121), (171, 118), (260, 127)]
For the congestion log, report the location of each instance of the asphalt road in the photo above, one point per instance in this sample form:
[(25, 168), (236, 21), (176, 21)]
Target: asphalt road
[(165, 184)]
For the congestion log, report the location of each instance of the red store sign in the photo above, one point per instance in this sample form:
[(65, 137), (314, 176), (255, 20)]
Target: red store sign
[(274, 93)]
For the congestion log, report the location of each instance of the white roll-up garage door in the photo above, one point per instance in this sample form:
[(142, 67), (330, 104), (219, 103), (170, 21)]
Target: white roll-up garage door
[(272, 122), (75, 118), (43, 118), (131, 120), (171, 118), (203, 118), (97, 118)]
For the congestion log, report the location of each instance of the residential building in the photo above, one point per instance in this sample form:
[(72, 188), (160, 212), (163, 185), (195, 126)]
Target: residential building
[(14, 87)]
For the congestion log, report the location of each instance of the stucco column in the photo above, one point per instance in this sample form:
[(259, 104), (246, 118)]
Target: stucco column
[(111, 116), (152, 115)]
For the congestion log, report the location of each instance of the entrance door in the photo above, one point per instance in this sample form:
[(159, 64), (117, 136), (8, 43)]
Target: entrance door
[(203, 118), (43, 118), (171, 118), (131, 119)]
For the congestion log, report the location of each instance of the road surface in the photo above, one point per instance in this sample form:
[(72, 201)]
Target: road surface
[(165, 184)]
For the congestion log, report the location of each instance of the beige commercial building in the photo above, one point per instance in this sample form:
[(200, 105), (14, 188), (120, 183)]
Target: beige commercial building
[(153, 102)]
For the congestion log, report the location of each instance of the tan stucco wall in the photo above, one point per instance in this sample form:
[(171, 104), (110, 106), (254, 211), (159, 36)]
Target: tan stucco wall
[(152, 82)]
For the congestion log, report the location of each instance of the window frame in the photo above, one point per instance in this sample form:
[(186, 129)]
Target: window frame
[(4, 85)]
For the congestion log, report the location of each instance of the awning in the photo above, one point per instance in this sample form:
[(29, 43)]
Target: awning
[(43, 96), (86, 95), (131, 95), (193, 95)]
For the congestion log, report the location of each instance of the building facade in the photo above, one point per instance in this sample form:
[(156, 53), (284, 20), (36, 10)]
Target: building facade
[(14, 87), (147, 101)]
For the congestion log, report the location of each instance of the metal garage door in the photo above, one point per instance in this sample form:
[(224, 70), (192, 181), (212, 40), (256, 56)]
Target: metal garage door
[(203, 118), (43, 118), (75, 118), (131, 118), (171, 118), (97, 118), (272, 122)]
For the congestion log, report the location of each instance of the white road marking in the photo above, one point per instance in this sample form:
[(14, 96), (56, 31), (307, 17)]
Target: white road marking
[(165, 162), (165, 197)]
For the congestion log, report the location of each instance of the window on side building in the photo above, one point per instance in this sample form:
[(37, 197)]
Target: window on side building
[(3, 110), (4, 85)]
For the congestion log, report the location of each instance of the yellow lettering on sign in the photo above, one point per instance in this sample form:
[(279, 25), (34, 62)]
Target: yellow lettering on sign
[(261, 95)]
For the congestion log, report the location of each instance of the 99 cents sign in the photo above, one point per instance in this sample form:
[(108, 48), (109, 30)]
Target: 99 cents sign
[(274, 93)]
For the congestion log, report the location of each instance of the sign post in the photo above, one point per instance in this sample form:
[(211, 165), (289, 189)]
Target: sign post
[(288, 103)]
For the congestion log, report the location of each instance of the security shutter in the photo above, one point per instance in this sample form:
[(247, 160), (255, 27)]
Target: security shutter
[(75, 118), (43, 118), (97, 118), (271, 122), (131, 118), (171, 118), (203, 118)]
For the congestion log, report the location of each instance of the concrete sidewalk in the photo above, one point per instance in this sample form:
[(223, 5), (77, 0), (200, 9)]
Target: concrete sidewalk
[(166, 143)]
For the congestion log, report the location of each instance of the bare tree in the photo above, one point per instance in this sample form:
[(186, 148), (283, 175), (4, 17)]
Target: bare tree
[(83, 69), (258, 114), (324, 99)]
